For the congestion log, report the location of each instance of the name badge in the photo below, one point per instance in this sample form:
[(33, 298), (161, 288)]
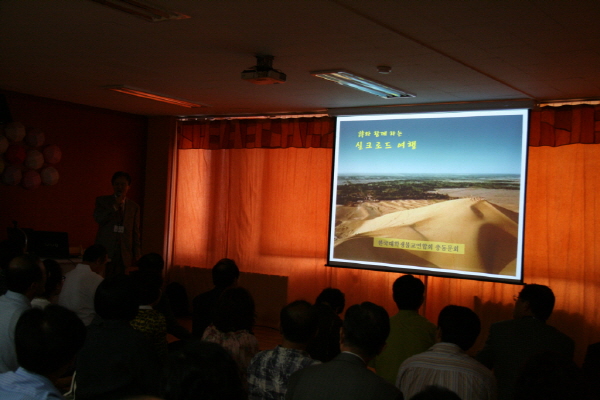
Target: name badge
[(119, 229)]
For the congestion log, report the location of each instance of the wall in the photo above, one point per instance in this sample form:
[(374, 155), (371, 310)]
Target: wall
[(95, 143)]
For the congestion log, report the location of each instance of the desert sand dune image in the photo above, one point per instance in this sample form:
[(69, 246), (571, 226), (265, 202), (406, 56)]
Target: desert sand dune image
[(488, 232)]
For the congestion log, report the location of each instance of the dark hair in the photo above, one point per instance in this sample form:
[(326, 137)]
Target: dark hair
[(22, 272), (408, 292), (298, 321), (202, 370), (94, 253), (334, 297), (54, 276), (435, 393), (151, 262), (120, 174), (366, 326), (235, 310), (148, 286), (459, 325), (48, 339), (541, 300), (117, 298), (225, 272)]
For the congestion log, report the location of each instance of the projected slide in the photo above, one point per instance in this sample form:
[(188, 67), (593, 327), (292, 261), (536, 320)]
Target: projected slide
[(434, 193)]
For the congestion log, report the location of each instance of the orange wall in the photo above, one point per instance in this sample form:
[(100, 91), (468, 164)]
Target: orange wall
[(95, 143)]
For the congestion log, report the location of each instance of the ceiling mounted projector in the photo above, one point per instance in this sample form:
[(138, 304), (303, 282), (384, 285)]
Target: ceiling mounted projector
[(263, 73)]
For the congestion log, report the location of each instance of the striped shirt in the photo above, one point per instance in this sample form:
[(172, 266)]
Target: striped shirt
[(448, 366)]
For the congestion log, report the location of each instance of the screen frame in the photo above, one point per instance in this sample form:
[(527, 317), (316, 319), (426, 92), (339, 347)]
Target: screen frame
[(517, 278)]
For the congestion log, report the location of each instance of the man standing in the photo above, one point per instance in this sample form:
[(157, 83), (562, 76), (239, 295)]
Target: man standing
[(410, 333), (446, 364), (346, 377), (80, 285), (118, 221), (511, 343), (270, 370), (25, 279)]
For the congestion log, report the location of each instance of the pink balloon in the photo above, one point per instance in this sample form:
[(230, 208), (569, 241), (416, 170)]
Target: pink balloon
[(16, 153), (12, 175), (35, 138), (52, 154), (14, 131), (31, 180), (49, 176), (34, 159)]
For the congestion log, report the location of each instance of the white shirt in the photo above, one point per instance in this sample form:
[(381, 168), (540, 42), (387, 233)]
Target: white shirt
[(78, 292), (446, 365), (12, 305)]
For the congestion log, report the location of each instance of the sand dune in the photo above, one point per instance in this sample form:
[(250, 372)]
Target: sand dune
[(489, 233)]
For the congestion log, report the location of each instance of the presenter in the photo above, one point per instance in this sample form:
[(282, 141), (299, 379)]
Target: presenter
[(118, 221)]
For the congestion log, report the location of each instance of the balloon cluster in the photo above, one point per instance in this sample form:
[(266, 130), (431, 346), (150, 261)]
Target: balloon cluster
[(24, 159)]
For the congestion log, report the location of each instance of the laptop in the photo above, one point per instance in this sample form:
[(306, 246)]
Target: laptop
[(47, 244)]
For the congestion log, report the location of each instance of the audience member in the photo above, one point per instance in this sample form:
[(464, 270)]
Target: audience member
[(591, 369), (551, 376), (154, 263), (116, 360), (118, 219), (232, 327), (54, 282), (326, 344), (270, 370), (435, 393), (46, 342), (149, 321), (410, 333), (80, 284), (14, 246), (511, 343), (446, 364), (25, 279), (202, 370), (365, 330), (225, 274)]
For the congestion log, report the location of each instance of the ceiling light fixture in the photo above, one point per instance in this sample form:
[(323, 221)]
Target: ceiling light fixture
[(153, 96), (142, 9), (361, 83)]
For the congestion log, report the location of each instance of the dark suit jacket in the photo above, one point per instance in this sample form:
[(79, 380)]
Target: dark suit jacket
[(346, 377), (511, 343), (106, 217)]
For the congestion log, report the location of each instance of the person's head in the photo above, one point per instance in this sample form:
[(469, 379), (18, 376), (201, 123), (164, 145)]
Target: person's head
[(202, 370), (435, 393), (366, 328), (334, 298), (151, 262), (408, 292), (26, 275), (117, 298), (535, 300), (148, 285), (95, 254), (54, 278), (46, 340), (235, 310), (298, 321), (459, 325), (121, 181), (225, 273)]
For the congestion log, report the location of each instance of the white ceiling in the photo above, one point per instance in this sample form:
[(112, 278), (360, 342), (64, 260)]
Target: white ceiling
[(440, 50)]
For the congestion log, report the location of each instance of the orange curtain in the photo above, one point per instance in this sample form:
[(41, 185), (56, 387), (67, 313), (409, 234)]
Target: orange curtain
[(268, 209)]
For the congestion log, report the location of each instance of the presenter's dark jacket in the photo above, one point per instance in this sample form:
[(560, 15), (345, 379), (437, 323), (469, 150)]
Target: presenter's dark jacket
[(107, 218), (346, 377), (511, 343)]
